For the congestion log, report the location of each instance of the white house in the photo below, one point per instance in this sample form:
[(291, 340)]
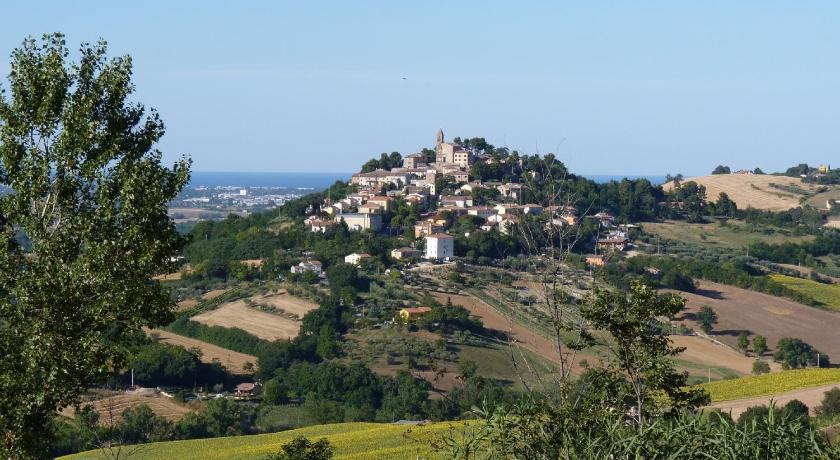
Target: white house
[(357, 222), (439, 246), (356, 258), (308, 266)]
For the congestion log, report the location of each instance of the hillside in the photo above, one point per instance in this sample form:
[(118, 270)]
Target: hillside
[(774, 193), (358, 441)]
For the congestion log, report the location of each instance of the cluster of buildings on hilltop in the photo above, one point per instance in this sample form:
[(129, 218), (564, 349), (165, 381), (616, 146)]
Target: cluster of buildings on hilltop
[(414, 182)]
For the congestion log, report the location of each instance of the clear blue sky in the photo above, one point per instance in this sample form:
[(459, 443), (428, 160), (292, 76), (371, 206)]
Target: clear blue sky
[(610, 87)]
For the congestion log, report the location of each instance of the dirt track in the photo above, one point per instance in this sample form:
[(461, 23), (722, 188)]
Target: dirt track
[(812, 397), (232, 360), (763, 314)]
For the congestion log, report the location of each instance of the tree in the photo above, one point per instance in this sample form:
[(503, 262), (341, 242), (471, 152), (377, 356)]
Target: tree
[(760, 367), (796, 353), (707, 318), (759, 345), (743, 341), (301, 448), (642, 356), (831, 403), (89, 195), (721, 169)]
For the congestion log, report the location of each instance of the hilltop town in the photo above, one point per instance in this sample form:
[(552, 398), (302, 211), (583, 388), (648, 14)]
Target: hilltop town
[(438, 181)]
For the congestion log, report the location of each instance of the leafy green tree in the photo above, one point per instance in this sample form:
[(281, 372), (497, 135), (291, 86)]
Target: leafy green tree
[(707, 319), (831, 403), (302, 448), (641, 355), (760, 367), (796, 353), (89, 195), (743, 341), (759, 345), (275, 392), (140, 425), (721, 169)]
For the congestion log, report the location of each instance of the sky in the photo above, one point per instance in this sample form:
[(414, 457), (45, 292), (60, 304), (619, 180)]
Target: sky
[(619, 88)]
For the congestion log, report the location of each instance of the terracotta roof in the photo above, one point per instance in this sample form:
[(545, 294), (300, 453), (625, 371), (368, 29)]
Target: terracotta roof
[(442, 236)]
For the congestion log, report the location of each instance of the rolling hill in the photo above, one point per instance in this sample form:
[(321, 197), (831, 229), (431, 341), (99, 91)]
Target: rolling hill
[(774, 193)]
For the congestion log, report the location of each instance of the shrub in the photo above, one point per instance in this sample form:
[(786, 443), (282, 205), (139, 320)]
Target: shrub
[(831, 403), (760, 367)]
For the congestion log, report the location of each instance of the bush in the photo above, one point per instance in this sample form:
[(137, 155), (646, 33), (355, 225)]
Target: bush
[(301, 448), (831, 403), (760, 367)]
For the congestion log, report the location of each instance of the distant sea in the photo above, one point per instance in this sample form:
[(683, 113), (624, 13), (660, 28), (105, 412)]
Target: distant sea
[(302, 180), (320, 181)]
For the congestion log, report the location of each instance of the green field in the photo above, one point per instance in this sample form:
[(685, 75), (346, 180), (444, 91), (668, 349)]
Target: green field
[(356, 441), (735, 235), (826, 294), (770, 384)]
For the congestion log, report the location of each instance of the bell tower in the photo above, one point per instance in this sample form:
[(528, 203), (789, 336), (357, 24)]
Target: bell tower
[(439, 137)]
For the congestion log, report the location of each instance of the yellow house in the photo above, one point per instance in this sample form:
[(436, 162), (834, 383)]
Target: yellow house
[(824, 169), (410, 315)]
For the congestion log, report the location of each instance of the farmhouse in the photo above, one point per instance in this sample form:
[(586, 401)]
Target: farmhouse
[(356, 258), (405, 253), (248, 389), (313, 266), (380, 177), (616, 243), (439, 246), (410, 315)]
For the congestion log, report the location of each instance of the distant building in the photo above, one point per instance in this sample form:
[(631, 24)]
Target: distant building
[(415, 160), (824, 169), (356, 258), (427, 227), (380, 177), (316, 224), (370, 208), (248, 389), (619, 243), (448, 153), (356, 222), (313, 266), (482, 211), (406, 253), (440, 246), (458, 201), (410, 315)]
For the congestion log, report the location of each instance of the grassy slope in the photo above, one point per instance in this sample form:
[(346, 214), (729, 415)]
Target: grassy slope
[(358, 441), (826, 294), (770, 384)]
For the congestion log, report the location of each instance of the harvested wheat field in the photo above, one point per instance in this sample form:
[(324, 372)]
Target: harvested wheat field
[(110, 408), (705, 352), (232, 360), (754, 190), (269, 326), (762, 314), (493, 319), (287, 303)]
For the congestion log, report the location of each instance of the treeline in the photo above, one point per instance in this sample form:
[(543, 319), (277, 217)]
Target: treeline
[(138, 425), (160, 364), (680, 272), (231, 338), (825, 243)]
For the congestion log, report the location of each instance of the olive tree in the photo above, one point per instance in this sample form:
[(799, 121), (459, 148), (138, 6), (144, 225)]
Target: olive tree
[(84, 225)]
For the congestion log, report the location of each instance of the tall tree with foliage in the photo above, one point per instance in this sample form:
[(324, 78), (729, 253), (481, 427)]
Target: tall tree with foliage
[(759, 345), (640, 354), (89, 195), (707, 318)]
